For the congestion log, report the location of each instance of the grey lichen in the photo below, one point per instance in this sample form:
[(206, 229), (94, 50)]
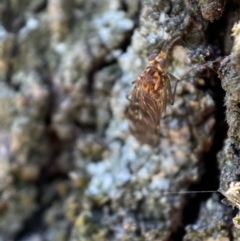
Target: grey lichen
[(235, 54), (67, 157), (214, 228), (229, 157)]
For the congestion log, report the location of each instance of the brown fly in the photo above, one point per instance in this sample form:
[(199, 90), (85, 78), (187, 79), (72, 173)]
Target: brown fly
[(148, 99)]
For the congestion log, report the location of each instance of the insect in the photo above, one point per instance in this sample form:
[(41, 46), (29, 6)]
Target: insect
[(148, 99)]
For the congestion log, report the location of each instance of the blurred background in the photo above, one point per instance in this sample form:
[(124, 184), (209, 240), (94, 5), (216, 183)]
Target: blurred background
[(70, 170)]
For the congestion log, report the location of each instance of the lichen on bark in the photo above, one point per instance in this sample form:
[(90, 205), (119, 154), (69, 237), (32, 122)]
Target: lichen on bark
[(68, 161), (229, 157)]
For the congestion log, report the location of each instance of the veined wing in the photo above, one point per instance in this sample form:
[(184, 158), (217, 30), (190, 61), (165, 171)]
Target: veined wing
[(144, 114)]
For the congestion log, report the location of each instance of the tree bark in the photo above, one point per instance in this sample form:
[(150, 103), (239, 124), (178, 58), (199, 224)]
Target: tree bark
[(69, 167)]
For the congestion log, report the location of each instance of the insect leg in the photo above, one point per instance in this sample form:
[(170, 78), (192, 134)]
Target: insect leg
[(164, 103), (172, 94), (208, 64)]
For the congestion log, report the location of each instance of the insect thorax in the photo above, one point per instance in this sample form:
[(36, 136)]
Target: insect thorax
[(152, 81)]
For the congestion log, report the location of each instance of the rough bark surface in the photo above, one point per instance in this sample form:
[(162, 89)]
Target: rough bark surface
[(69, 167)]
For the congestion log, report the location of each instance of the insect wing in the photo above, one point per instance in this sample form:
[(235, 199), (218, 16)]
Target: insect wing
[(144, 114)]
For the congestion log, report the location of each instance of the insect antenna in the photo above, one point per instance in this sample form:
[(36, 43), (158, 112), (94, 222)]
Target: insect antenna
[(168, 45), (155, 49)]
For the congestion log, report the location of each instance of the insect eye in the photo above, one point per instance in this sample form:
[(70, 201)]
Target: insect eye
[(163, 63), (152, 56)]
